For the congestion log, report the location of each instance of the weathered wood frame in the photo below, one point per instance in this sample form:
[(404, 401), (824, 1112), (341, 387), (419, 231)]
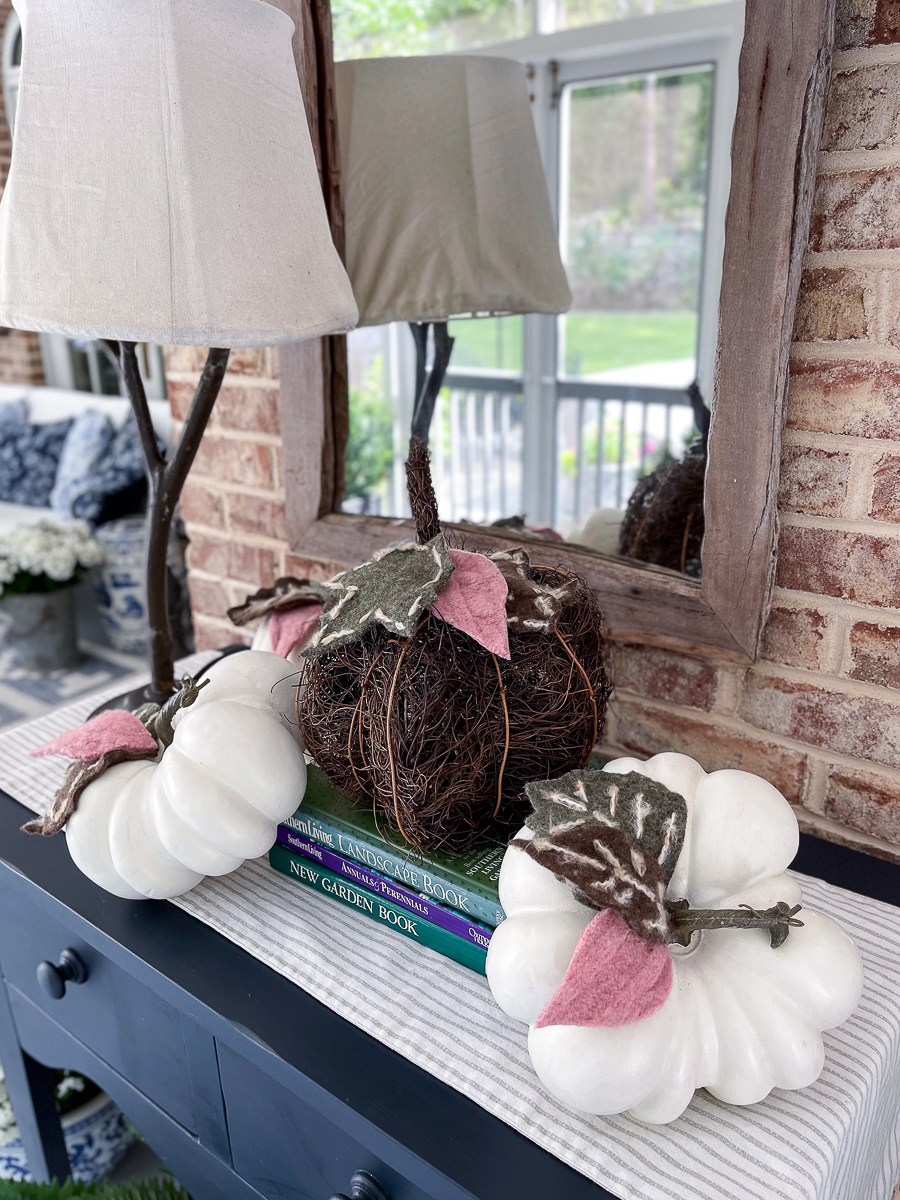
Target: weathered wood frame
[(785, 68)]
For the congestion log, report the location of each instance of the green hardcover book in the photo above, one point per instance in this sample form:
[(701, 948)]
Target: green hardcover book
[(466, 882), (320, 879)]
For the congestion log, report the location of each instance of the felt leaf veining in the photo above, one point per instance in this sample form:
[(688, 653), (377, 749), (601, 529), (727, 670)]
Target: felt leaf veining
[(392, 589), (473, 600)]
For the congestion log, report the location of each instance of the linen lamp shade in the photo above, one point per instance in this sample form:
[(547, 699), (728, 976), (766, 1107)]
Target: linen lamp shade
[(447, 212), (163, 185)]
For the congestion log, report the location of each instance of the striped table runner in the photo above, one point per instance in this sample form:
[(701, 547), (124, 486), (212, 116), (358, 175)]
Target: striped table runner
[(836, 1140)]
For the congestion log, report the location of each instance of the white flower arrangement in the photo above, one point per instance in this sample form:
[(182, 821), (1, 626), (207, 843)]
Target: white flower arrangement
[(46, 555)]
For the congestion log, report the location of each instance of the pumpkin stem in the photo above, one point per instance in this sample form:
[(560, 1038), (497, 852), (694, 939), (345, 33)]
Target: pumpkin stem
[(159, 723), (686, 921)]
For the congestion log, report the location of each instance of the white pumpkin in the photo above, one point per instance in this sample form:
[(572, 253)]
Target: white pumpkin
[(151, 830), (741, 1018)]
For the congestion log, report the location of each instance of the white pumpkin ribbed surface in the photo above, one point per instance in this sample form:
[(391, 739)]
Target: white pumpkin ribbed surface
[(741, 1018), (235, 769)]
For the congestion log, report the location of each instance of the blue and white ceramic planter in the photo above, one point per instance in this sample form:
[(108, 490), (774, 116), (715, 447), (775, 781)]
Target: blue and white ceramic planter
[(96, 1136)]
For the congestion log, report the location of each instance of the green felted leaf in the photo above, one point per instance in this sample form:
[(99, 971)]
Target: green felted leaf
[(393, 589), (651, 816)]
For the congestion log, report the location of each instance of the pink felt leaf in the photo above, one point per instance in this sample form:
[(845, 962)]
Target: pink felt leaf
[(474, 600), (290, 626), (114, 729), (614, 978)]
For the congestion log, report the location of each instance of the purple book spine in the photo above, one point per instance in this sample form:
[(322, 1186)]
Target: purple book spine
[(453, 922)]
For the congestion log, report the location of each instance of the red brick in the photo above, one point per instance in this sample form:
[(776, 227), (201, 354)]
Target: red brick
[(813, 481), (866, 23), (253, 514), (311, 568), (859, 726), (875, 654), (258, 361), (644, 732), (793, 637), (20, 357), (830, 306), (208, 596), (852, 566), (858, 398), (182, 359), (856, 210), (255, 565), (180, 396), (249, 409), (208, 554), (870, 803), (213, 635), (230, 461), (886, 494), (663, 675), (201, 505), (863, 109)]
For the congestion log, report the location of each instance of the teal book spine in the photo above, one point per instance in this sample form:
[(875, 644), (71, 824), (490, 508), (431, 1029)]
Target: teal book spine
[(320, 879), (378, 857)]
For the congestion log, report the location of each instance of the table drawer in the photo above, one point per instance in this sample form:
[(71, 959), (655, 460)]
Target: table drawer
[(123, 1022), (286, 1149)]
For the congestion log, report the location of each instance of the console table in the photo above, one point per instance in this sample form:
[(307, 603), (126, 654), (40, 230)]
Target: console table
[(241, 1082)]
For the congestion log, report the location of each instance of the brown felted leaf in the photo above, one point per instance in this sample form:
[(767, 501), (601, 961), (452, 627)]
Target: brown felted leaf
[(606, 870), (287, 593), (78, 775), (653, 817), (392, 589), (532, 606)]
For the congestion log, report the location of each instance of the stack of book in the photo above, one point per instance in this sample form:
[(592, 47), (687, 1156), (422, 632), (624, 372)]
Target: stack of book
[(447, 902)]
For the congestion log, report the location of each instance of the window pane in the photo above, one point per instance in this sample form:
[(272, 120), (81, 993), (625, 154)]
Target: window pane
[(634, 208), (569, 14), (372, 28), (487, 343)]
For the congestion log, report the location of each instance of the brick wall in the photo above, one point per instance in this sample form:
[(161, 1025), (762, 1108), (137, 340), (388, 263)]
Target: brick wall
[(20, 353), (819, 714)]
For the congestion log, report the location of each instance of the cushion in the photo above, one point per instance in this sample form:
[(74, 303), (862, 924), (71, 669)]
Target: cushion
[(88, 438), (29, 457), (121, 465), (14, 413)]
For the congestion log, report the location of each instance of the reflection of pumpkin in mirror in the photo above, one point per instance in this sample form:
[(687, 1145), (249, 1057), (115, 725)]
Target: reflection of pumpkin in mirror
[(663, 522)]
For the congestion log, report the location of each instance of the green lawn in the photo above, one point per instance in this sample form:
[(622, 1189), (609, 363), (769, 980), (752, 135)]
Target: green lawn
[(594, 341), (601, 341)]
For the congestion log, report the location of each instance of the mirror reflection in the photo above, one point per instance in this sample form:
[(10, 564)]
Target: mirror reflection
[(590, 427)]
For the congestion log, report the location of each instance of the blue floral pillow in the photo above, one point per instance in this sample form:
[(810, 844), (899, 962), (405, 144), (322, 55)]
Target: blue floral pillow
[(29, 457), (120, 466), (13, 413), (88, 439)]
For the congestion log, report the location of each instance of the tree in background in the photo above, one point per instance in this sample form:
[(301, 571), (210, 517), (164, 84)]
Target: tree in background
[(370, 445)]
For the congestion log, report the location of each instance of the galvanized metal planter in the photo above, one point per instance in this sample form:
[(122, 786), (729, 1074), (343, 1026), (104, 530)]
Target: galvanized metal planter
[(37, 632)]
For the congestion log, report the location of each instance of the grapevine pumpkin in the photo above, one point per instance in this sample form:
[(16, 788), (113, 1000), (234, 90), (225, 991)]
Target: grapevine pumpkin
[(654, 944)]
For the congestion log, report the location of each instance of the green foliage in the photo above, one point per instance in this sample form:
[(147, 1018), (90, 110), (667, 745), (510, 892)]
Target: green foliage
[(370, 446), (373, 28), (602, 341), (163, 1187)]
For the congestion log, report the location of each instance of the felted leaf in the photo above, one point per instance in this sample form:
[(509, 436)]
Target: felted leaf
[(474, 600), (606, 870), (653, 817), (392, 589), (115, 729), (531, 606), (288, 627), (613, 979), (78, 775), (286, 593)]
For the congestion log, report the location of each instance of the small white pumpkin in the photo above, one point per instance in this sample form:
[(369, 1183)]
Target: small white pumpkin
[(741, 1017), (151, 830)]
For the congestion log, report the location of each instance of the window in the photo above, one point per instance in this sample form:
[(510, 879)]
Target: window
[(555, 418)]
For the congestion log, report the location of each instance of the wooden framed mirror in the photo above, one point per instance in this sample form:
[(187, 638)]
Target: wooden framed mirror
[(784, 71)]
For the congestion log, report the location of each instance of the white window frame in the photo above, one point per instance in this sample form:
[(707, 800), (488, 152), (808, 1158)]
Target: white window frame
[(711, 34)]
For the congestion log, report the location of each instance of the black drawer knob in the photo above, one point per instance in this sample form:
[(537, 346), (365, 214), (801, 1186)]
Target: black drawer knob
[(53, 980), (363, 1187)]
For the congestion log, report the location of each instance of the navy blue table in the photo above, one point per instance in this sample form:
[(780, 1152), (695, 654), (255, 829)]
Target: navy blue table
[(243, 1084)]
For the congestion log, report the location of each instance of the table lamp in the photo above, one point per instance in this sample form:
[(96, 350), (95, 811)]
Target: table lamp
[(163, 188), (447, 211)]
